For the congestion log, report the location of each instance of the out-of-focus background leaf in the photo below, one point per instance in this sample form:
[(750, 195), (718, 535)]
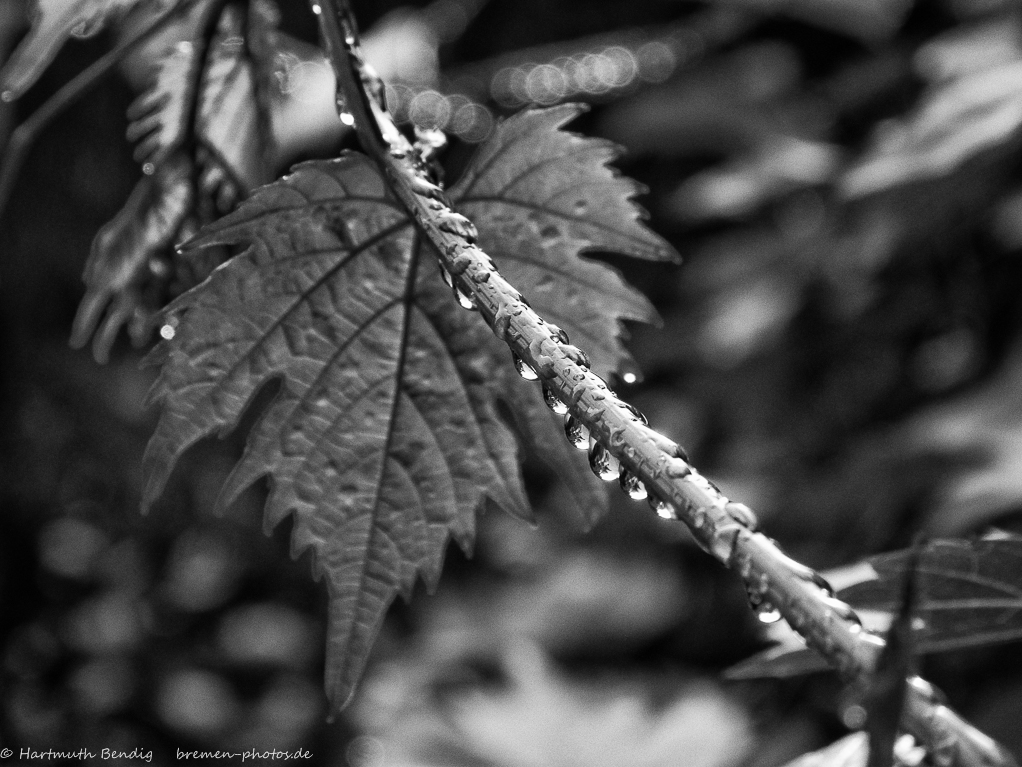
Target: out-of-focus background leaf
[(840, 351)]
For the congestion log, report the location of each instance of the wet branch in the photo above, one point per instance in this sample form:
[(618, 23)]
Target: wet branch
[(650, 463)]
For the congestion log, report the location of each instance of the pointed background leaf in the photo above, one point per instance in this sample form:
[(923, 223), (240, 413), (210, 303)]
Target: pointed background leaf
[(969, 591), (851, 751), (232, 122), (386, 434), (969, 595)]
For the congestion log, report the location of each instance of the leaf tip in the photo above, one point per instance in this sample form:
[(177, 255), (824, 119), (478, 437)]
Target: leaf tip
[(16, 80), (519, 508), (196, 242), (149, 496), (571, 110)]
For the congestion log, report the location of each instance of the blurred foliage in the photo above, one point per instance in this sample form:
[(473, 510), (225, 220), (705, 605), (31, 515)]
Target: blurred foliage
[(840, 351)]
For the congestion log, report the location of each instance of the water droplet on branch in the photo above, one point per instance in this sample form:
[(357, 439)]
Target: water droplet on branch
[(821, 583), (425, 188), (524, 369), (576, 355), (632, 485), (604, 465), (466, 301), (552, 402), (457, 224), (767, 613), (558, 335), (635, 412), (576, 432), (742, 514), (663, 509)]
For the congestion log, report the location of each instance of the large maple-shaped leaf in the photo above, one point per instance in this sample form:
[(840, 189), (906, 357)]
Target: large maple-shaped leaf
[(386, 435)]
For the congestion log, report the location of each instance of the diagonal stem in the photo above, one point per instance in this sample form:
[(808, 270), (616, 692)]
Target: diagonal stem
[(724, 529)]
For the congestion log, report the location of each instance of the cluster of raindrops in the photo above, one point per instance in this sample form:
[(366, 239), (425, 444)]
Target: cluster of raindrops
[(602, 462), (608, 467)]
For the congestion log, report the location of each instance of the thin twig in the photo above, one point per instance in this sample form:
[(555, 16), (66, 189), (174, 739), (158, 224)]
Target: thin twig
[(724, 529), (26, 133)]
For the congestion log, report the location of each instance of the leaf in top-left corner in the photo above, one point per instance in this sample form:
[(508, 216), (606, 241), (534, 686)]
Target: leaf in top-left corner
[(53, 22)]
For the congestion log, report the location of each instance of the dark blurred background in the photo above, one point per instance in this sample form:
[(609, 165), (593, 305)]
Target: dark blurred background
[(840, 351)]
